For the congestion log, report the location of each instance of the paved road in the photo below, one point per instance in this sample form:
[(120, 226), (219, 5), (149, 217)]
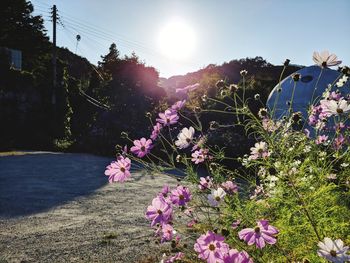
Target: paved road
[(59, 208)]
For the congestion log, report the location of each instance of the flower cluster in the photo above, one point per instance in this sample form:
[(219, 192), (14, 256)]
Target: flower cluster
[(289, 190)]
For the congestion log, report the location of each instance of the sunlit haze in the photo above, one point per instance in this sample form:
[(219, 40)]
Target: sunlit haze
[(183, 36), (177, 40)]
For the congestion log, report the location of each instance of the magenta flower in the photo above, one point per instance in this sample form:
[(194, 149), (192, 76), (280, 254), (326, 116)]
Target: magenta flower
[(141, 147), (234, 256), (236, 224), (261, 234), (211, 247), (156, 131), (205, 183), (178, 105), (178, 256), (200, 155), (339, 142), (118, 171), (229, 187), (168, 117), (180, 196), (321, 139), (159, 212), (165, 191), (192, 223), (167, 232)]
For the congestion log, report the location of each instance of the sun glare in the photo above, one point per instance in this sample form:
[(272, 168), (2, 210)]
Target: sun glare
[(177, 40)]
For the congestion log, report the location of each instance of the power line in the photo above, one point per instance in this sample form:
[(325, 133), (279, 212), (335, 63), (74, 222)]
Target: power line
[(85, 28)]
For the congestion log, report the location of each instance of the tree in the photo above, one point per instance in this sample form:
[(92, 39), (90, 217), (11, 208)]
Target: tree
[(109, 61), (21, 30)]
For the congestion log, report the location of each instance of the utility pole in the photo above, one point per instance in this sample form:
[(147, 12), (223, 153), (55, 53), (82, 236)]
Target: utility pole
[(54, 55)]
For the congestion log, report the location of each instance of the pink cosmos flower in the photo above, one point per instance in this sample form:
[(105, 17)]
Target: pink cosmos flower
[(159, 212), (125, 150), (167, 232), (178, 105), (324, 59), (321, 139), (335, 95), (270, 125), (192, 223), (180, 196), (200, 155), (229, 187), (211, 247), (338, 142), (141, 147), (188, 88), (259, 151), (177, 257), (118, 171), (165, 191), (234, 256), (260, 235), (168, 117), (236, 224), (205, 183), (156, 131)]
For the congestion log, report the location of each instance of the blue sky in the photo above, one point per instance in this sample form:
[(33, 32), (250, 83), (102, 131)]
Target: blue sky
[(223, 29)]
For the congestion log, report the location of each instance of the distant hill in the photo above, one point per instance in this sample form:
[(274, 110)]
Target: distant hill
[(257, 67)]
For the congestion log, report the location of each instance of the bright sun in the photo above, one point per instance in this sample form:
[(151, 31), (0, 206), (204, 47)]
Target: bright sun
[(177, 40)]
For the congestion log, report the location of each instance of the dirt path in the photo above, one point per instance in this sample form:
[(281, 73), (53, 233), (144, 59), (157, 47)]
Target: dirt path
[(59, 208)]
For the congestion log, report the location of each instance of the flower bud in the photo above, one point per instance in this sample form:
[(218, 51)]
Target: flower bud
[(178, 158), (296, 117), (214, 125), (257, 96), (197, 109), (296, 77), (286, 62), (243, 72), (262, 113), (124, 135), (148, 115), (233, 88), (220, 84)]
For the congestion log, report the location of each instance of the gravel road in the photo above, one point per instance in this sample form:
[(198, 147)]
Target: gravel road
[(60, 208)]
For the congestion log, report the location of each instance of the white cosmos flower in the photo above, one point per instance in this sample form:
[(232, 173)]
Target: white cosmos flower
[(324, 59), (185, 138), (334, 251), (342, 81), (216, 196), (333, 107)]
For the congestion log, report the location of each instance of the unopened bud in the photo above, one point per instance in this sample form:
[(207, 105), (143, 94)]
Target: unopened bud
[(286, 62), (296, 77), (124, 135), (220, 84), (214, 125)]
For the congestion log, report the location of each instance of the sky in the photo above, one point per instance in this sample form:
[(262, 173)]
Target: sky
[(212, 32)]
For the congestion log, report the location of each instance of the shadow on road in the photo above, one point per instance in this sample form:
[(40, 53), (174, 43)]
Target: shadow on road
[(34, 183)]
